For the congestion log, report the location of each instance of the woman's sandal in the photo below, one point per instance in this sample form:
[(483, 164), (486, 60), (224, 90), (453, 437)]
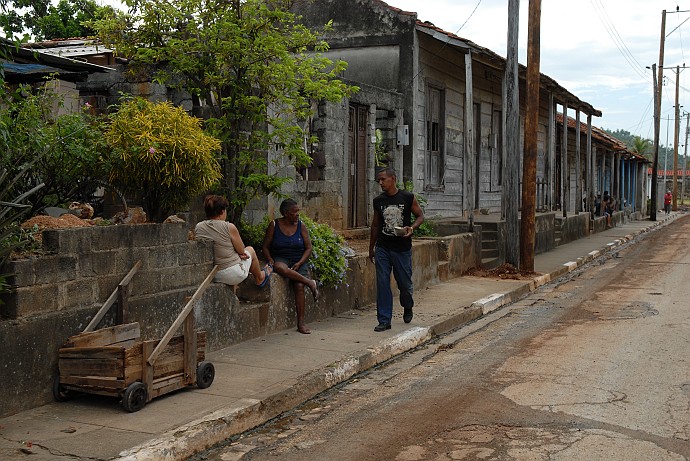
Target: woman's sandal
[(267, 278)]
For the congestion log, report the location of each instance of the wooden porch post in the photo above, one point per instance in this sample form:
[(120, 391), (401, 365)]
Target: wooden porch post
[(564, 161), (469, 141), (578, 167), (551, 152), (590, 166)]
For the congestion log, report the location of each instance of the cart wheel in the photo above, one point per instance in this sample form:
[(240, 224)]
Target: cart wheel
[(60, 394), (205, 373), (135, 397)]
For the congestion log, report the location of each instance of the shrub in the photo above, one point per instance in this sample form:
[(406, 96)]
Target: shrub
[(328, 261), (162, 155), (70, 155)]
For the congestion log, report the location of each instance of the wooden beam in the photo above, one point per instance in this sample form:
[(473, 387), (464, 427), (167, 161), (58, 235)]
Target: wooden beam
[(112, 298), (181, 318)]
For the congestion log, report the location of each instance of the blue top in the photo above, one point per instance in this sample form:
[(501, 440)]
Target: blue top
[(290, 247)]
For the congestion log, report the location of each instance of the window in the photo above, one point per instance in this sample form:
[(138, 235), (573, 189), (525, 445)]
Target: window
[(434, 137)]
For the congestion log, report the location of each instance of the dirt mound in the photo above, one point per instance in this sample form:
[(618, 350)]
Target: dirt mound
[(65, 221), (504, 271)]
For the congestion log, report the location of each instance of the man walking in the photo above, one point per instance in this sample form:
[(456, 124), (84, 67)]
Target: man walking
[(668, 198), (390, 246)]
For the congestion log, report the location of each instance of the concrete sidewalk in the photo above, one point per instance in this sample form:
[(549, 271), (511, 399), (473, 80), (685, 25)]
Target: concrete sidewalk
[(261, 378)]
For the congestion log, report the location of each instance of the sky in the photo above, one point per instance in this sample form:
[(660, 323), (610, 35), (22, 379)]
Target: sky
[(597, 49)]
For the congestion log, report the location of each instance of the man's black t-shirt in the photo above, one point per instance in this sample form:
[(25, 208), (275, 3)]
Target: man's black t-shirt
[(396, 211)]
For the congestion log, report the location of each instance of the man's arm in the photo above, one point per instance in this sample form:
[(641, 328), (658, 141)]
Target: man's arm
[(374, 232), (419, 217)]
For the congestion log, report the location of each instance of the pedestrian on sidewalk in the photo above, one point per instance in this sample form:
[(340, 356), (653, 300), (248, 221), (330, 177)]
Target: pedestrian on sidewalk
[(287, 247), (235, 260), (390, 246), (668, 198)]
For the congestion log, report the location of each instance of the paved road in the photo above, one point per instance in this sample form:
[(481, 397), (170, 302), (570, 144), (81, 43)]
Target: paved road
[(593, 368)]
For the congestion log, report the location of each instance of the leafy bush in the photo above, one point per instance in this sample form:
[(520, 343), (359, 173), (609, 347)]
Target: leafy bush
[(253, 234), (69, 150), (162, 155), (328, 261)]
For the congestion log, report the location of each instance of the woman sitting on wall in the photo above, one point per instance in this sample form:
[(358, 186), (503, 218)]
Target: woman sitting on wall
[(235, 260), (287, 247)]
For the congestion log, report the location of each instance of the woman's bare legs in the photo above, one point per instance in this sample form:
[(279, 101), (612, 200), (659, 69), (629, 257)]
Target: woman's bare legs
[(255, 269), (298, 282)]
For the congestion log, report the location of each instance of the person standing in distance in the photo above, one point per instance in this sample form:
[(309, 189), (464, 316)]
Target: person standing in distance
[(390, 246)]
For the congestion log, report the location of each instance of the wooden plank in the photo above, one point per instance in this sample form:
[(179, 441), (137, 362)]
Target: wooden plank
[(146, 368), (100, 383), (189, 352), (105, 336), (180, 318), (92, 353), (168, 385), (91, 367), (111, 299)]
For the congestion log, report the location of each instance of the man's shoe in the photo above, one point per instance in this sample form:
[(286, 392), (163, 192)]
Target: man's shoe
[(382, 327), (407, 315)]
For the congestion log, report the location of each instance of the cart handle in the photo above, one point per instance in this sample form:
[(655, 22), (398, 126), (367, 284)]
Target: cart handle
[(181, 318), (111, 300)]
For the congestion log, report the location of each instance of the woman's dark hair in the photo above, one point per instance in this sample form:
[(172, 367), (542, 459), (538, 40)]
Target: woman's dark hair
[(286, 204), (214, 205)]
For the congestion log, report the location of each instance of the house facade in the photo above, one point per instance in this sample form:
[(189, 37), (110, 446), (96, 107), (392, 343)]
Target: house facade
[(450, 140)]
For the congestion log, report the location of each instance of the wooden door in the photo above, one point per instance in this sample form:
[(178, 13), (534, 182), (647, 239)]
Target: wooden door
[(357, 172)]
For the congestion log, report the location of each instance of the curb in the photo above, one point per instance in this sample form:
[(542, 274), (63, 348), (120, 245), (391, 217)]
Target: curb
[(185, 441)]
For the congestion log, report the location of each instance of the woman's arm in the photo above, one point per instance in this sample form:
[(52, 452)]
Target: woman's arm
[(236, 241), (268, 238), (307, 247)]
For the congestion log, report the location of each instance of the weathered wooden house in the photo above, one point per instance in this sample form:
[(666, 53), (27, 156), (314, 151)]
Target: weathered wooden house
[(445, 118)]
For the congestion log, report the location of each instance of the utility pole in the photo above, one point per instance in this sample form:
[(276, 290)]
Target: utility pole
[(685, 153), (657, 112), (529, 165), (676, 133), (652, 212), (511, 192)]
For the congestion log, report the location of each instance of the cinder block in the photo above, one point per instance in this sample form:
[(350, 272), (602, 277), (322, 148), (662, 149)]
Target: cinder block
[(126, 258), (174, 233), (145, 235), (97, 263), (111, 237), (68, 241), (78, 293), (28, 301), (22, 272), (53, 269), (162, 256), (146, 282)]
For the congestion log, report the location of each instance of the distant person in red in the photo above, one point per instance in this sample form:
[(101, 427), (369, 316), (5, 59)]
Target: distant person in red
[(668, 198)]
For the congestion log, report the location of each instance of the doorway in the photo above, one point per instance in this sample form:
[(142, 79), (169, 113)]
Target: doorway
[(357, 180)]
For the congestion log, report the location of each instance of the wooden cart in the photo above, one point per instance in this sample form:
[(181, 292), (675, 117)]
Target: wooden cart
[(115, 361)]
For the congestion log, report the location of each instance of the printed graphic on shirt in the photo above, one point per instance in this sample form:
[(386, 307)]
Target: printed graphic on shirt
[(392, 217)]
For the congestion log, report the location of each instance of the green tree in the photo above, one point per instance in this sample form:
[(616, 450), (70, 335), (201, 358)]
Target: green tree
[(254, 66), (641, 146), (68, 151), (46, 21), (161, 155)]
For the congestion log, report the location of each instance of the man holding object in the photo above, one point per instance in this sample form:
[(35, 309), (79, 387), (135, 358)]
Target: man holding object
[(390, 246)]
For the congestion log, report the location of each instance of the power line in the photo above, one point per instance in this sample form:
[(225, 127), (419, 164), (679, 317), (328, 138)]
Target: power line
[(617, 39)]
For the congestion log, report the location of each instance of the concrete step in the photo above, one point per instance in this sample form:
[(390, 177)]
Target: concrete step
[(490, 263), (490, 244), (489, 253)]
